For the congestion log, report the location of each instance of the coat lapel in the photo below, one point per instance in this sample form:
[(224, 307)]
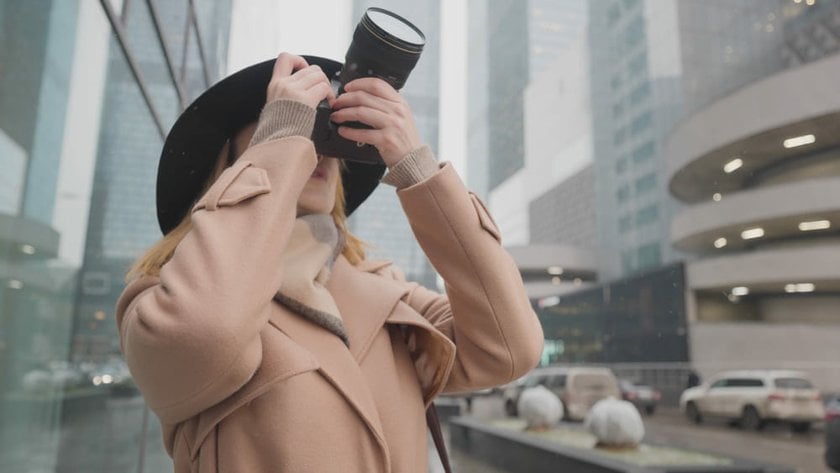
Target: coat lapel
[(365, 301), (368, 301), (337, 365)]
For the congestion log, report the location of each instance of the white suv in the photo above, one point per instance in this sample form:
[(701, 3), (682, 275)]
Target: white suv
[(754, 398)]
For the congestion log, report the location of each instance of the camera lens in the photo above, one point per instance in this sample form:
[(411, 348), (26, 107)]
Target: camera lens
[(385, 45)]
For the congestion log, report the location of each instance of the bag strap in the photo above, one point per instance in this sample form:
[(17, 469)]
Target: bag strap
[(434, 426)]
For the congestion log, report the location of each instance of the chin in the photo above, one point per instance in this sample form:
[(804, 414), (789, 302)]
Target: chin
[(309, 208)]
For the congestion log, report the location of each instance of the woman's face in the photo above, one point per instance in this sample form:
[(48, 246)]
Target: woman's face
[(318, 196)]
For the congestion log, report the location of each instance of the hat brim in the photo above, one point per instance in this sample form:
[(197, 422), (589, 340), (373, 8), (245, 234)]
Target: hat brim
[(195, 140)]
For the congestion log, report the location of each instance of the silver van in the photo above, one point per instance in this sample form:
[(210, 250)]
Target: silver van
[(578, 387)]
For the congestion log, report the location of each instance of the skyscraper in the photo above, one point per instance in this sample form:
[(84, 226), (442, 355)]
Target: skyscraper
[(635, 70), (122, 222), (380, 221), (552, 26)]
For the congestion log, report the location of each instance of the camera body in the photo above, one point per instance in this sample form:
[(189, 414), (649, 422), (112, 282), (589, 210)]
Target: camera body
[(384, 45)]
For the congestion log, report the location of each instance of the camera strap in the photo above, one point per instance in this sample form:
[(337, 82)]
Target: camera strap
[(434, 426)]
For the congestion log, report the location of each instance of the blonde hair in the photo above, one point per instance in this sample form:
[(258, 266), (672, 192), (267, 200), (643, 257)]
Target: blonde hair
[(150, 263)]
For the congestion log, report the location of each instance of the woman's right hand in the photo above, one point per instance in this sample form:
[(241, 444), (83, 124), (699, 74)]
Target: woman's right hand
[(294, 79)]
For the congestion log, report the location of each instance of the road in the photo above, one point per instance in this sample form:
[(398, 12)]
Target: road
[(775, 444)]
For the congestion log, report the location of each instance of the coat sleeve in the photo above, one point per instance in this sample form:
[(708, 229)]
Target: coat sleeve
[(191, 337), (486, 311)]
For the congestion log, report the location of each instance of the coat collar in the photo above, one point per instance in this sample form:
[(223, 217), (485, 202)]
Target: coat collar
[(363, 317), (433, 352)]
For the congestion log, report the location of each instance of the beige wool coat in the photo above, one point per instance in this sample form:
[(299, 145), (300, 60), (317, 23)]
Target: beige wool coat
[(242, 384)]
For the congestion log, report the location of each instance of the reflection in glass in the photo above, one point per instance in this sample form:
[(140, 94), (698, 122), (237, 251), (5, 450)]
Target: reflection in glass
[(213, 27), (192, 71), (147, 52)]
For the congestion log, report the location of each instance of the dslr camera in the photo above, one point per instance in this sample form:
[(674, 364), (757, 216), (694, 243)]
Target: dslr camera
[(384, 45)]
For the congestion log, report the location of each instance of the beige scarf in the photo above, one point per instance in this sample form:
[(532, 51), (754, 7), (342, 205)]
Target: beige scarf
[(308, 259)]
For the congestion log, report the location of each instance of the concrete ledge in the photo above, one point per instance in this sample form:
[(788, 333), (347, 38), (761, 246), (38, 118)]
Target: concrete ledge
[(517, 452), (447, 408)]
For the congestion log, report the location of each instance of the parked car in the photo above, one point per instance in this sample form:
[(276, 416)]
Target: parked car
[(754, 398), (645, 398), (832, 444), (832, 407), (577, 387)]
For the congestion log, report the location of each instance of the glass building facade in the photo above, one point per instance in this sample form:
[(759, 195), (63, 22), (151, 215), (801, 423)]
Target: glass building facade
[(635, 88), (87, 92)]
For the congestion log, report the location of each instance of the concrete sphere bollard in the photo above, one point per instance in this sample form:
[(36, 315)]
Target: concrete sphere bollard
[(615, 424), (540, 408)]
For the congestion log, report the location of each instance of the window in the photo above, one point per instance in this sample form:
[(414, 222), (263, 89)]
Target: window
[(621, 165), (635, 32), (637, 65), (618, 136), (641, 123), (96, 283), (628, 261), (792, 383), (644, 152), (721, 383), (557, 381), (622, 194), (647, 215), (613, 14), (649, 256), (745, 383), (646, 183), (625, 223), (641, 92)]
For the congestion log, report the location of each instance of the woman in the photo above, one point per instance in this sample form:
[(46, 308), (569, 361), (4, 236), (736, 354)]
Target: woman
[(257, 331)]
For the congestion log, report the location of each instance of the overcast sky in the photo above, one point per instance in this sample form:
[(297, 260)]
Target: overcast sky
[(261, 29)]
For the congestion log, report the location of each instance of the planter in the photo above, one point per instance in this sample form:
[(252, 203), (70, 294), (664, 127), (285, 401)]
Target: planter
[(508, 447)]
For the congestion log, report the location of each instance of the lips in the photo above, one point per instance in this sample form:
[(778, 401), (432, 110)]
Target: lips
[(318, 174)]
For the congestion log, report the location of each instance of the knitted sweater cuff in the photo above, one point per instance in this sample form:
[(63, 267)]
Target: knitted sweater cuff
[(283, 118), (412, 168)]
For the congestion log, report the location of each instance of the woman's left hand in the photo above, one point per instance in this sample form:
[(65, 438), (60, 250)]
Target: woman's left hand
[(373, 101)]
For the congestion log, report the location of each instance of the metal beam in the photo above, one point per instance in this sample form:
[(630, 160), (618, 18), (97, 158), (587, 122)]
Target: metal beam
[(170, 66), (116, 25), (201, 54)]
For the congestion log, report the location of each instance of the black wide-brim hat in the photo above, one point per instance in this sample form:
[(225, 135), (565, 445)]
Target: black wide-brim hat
[(194, 142)]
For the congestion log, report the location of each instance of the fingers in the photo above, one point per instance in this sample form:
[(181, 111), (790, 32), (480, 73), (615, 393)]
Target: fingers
[(363, 98), (370, 116), (286, 64), (393, 138), (308, 77), (360, 135), (294, 79), (374, 86), (367, 108)]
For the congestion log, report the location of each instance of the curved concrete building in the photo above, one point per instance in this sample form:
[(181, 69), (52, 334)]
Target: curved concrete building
[(759, 173)]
